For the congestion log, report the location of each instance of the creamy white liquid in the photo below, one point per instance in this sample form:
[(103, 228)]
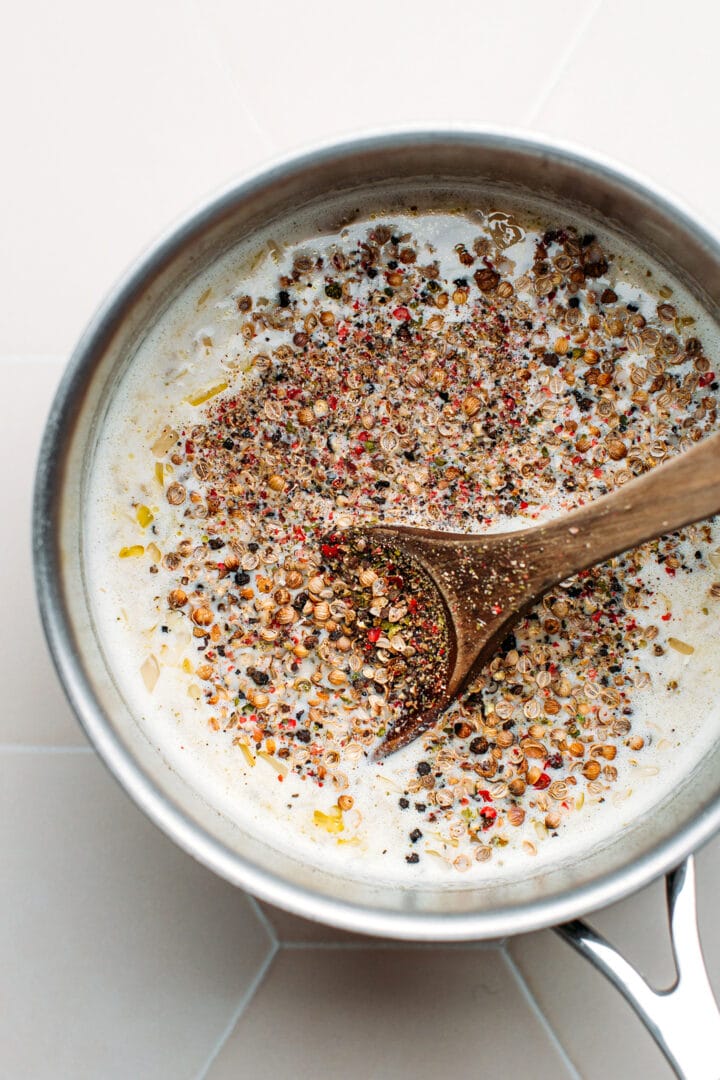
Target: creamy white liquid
[(175, 362)]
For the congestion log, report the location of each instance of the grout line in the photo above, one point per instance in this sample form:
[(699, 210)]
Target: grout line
[(22, 748), (263, 920), (373, 945), (194, 12), (245, 1000), (541, 1017), (582, 28)]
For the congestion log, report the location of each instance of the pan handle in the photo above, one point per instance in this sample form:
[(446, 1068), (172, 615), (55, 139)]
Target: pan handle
[(684, 1020)]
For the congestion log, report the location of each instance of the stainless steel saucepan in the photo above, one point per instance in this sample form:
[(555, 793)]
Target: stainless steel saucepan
[(335, 182)]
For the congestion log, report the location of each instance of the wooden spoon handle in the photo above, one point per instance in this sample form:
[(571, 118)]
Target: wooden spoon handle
[(684, 490)]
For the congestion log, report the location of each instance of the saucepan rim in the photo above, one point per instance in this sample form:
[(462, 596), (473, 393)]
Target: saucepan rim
[(410, 925)]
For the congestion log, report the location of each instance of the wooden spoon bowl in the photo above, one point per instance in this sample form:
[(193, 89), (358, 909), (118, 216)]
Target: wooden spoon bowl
[(487, 583)]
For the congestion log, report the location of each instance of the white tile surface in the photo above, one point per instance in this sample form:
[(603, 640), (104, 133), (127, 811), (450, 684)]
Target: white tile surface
[(331, 67), (652, 103), (34, 710), (120, 956), (582, 1007), (119, 118), (379, 1014)]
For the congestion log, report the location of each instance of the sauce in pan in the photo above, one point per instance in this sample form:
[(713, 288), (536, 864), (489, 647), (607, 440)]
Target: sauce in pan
[(471, 371)]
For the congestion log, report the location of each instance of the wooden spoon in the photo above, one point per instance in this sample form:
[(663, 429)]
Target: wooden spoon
[(487, 583)]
